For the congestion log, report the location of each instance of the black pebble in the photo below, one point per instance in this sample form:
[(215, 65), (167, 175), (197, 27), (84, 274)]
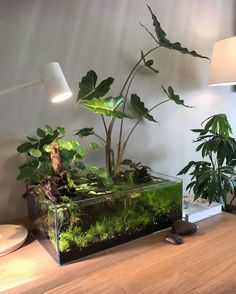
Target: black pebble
[(181, 227)]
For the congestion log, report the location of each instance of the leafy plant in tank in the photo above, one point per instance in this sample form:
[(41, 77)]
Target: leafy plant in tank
[(94, 97), (67, 154), (214, 177), (90, 207)]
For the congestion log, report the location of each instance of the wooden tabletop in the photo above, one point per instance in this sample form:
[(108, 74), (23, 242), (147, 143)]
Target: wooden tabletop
[(205, 263)]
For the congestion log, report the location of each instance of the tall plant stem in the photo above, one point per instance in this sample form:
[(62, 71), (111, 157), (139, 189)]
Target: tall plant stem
[(123, 109), (134, 68), (109, 155), (104, 123), (109, 130), (121, 154)]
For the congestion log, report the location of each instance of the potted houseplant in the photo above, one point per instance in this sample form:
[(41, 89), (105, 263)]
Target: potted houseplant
[(214, 177), (82, 209)]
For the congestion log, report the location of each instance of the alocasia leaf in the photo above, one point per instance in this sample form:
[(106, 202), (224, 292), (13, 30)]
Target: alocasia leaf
[(140, 107), (164, 42), (88, 89), (174, 97), (106, 106), (148, 63)]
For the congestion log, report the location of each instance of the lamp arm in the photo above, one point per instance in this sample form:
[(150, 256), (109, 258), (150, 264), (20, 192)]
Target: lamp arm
[(21, 86)]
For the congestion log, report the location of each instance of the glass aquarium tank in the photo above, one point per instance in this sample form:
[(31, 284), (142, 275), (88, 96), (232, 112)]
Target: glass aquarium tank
[(74, 229)]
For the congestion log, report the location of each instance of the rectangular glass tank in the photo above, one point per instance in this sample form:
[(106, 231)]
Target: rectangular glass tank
[(75, 229)]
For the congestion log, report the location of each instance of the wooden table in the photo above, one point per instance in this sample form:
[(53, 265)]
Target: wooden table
[(206, 263)]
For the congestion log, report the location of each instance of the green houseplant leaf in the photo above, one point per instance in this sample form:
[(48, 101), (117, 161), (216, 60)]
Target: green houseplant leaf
[(164, 42), (218, 124), (106, 106), (140, 107), (25, 147), (94, 146), (40, 133), (88, 89), (148, 63), (174, 97), (84, 132), (65, 144), (49, 130), (35, 152), (25, 172)]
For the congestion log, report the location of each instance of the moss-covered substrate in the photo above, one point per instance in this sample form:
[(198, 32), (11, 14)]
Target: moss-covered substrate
[(112, 219)]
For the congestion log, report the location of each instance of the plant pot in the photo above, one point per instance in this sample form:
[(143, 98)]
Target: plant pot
[(80, 228)]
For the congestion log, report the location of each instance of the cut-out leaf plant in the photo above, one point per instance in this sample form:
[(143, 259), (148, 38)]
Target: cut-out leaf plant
[(94, 97)]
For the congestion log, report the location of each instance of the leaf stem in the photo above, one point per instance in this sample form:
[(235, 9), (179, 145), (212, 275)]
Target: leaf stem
[(100, 138), (104, 123), (135, 66), (123, 109), (120, 155)]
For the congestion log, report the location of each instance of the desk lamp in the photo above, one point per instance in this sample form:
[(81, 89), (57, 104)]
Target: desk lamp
[(223, 63)]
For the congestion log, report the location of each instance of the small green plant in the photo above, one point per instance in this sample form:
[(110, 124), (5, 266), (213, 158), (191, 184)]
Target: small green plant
[(214, 177), (39, 155)]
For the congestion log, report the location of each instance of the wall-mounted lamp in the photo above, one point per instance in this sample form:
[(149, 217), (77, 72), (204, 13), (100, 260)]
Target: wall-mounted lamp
[(13, 236), (54, 81), (223, 63)]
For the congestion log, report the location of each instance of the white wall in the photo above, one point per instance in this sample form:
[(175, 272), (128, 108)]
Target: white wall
[(105, 35)]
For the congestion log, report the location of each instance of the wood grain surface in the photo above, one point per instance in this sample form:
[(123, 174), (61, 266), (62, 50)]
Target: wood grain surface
[(205, 263)]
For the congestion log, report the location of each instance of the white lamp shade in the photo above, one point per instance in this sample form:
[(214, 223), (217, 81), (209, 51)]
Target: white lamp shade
[(223, 63), (55, 82)]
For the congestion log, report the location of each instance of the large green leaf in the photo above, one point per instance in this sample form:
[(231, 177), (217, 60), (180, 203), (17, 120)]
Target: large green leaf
[(106, 106), (174, 97), (88, 89), (164, 42), (140, 107)]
